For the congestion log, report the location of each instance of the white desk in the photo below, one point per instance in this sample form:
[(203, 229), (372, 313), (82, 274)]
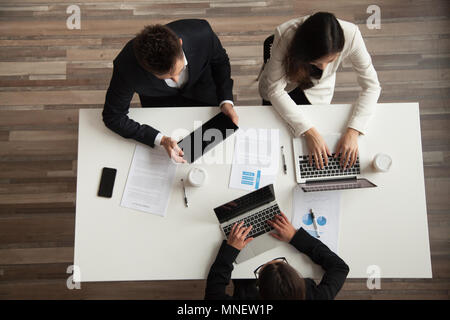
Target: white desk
[(384, 226)]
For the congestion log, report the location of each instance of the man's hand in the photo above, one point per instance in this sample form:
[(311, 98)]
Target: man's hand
[(173, 150), (348, 148), (228, 109), (285, 231), (237, 236), (317, 148)]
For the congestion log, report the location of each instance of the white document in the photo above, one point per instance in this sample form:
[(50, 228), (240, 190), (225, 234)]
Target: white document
[(256, 158), (326, 208), (149, 181)]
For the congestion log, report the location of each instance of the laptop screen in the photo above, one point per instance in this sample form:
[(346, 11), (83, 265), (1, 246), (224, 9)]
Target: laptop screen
[(245, 203)]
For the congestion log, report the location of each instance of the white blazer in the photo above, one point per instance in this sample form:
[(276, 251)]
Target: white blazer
[(274, 86)]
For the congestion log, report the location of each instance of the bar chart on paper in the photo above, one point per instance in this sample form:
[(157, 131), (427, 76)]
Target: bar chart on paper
[(255, 160), (251, 178)]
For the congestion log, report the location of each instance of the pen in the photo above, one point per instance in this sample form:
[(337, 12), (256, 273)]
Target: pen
[(185, 196), (284, 160), (315, 223)]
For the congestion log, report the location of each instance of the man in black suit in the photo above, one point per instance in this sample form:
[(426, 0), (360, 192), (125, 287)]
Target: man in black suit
[(276, 279), (180, 64)]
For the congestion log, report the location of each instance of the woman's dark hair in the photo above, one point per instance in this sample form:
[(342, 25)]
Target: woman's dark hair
[(157, 48), (280, 281), (320, 35)]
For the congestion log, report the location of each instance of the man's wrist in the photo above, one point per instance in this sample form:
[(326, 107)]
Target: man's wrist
[(225, 102), (158, 139)]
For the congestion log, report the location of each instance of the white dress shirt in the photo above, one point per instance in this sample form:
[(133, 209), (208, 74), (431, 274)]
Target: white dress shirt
[(182, 80), (274, 85)]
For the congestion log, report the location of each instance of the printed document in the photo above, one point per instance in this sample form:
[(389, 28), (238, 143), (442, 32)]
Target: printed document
[(326, 208), (256, 158), (149, 181)]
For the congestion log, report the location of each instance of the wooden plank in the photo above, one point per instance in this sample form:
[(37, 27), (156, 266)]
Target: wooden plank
[(24, 148), (36, 255), (42, 135), (37, 198), (27, 68), (79, 97), (37, 228), (36, 119), (31, 169)]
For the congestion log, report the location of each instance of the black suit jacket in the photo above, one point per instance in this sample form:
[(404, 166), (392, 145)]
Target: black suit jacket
[(209, 80), (336, 270)]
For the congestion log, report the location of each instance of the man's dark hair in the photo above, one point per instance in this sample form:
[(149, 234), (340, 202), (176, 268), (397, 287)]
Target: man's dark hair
[(280, 281), (157, 48)]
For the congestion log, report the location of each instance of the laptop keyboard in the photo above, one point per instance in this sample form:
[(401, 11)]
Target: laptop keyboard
[(258, 221), (333, 169)]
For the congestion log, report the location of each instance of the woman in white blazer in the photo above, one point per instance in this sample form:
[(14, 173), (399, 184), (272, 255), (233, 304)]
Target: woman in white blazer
[(305, 56)]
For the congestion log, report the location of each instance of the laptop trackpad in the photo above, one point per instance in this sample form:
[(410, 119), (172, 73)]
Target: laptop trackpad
[(264, 243), (257, 246)]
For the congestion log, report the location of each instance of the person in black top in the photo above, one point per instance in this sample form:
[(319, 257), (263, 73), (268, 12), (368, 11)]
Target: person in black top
[(276, 279), (179, 64)]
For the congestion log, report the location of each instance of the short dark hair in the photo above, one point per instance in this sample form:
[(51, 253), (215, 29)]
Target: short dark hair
[(319, 35), (280, 281), (157, 48)]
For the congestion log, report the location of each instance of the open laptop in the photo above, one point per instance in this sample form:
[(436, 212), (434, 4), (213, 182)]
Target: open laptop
[(332, 177), (254, 209)]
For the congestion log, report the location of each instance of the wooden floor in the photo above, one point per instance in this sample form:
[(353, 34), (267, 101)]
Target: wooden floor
[(48, 72)]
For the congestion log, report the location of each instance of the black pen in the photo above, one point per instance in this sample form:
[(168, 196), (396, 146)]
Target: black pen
[(284, 160), (185, 196)]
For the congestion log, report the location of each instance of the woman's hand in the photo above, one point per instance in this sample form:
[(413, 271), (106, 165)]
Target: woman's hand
[(317, 148), (348, 148), (285, 231), (237, 236)]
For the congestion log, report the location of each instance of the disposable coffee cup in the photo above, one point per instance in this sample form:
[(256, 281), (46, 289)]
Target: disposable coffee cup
[(382, 162), (197, 177)]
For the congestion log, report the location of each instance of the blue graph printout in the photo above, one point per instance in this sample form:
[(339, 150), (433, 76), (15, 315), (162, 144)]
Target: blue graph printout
[(251, 178)]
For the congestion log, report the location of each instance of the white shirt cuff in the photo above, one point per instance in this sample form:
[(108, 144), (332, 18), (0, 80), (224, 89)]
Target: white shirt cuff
[(158, 139), (226, 101)]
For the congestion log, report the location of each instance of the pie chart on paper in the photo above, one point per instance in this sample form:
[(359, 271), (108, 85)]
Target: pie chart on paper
[(322, 221), (307, 220)]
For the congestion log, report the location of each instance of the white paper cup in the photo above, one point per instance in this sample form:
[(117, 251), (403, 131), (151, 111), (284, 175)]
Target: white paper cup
[(382, 162), (197, 177)]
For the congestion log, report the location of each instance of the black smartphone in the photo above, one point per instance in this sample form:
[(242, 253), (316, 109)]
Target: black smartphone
[(107, 182)]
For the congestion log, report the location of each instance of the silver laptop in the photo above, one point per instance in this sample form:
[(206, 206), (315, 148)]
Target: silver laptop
[(254, 209), (332, 176)]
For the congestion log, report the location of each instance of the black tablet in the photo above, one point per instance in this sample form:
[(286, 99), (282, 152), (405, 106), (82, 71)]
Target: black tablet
[(206, 137)]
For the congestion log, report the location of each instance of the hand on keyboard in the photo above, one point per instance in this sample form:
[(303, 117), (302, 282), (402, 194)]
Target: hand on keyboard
[(348, 148), (317, 148), (285, 231), (238, 234)]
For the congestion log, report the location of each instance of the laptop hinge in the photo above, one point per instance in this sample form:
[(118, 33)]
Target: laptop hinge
[(336, 179)]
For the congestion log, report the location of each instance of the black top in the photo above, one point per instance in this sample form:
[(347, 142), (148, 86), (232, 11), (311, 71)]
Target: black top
[(209, 80), (336, 269)]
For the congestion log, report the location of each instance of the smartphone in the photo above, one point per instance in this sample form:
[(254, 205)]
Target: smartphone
[(107, 182)]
